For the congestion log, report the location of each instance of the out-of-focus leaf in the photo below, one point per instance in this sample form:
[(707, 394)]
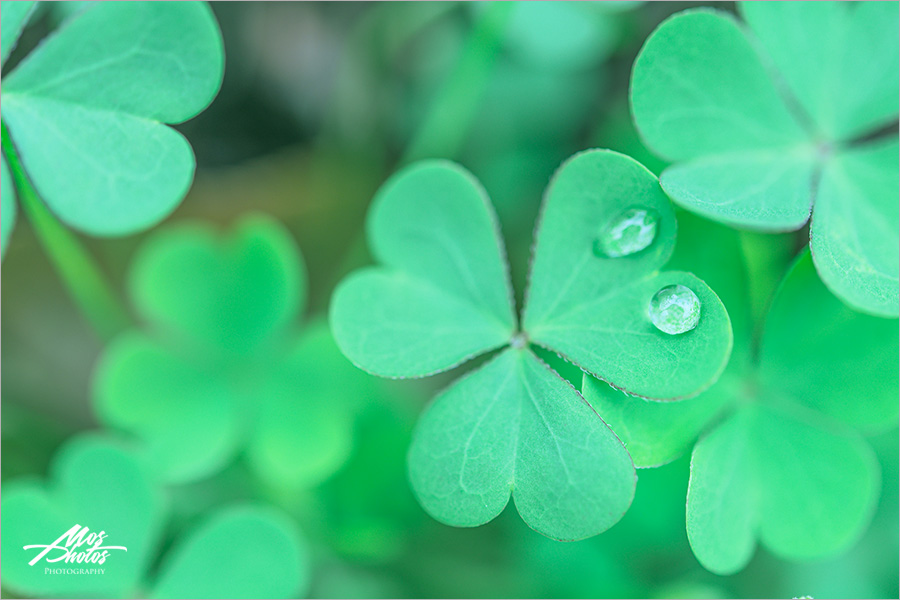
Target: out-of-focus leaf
[(87, 110), (242, 552)]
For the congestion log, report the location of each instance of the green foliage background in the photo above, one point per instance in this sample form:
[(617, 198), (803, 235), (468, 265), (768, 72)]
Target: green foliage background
[(320, 104)]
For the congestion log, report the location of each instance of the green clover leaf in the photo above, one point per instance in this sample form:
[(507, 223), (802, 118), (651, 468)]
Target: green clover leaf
[(564, 35), (513, 426), (102, 484), (801, 484), (96, 483), (88, 108), (769, 125), (779, 458), (219, 367), (239, 552)]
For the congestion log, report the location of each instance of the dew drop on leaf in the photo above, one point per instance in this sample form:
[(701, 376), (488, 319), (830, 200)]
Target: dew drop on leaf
[(631, 231), (674, 309)]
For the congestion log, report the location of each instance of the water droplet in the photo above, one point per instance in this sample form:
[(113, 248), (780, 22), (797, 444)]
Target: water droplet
[(674, 309), (632, 231)]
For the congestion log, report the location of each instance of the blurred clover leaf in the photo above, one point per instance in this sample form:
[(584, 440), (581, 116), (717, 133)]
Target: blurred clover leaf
[(563, 35), (513, 426), (220, 367), (104, 485), (780, 455), (243, 551), (791, 117), (87, 110)]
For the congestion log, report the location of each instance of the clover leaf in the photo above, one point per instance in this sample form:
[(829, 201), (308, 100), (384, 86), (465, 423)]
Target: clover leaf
[(219, 367), (564, 35), (513, 426), (256, 548), (87, 109), (771, 123), (105, 485), (780, 457), (96, 483)]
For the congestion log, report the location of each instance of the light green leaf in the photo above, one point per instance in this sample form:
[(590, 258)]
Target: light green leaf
[(698, 87), (7, 205), (560, 35), (393, 325), (656, 433), (757, 189), (437, 239), (157, 61), (844, 363), (304, 431), (593, 309), (230, 291), (722, 509), (806, 487), (515, 427), (186, 414), (445, 295), (241, 552), (855, 229), (95, 483), (86, 111), (134, 171), (15, 17), (700, 90), (847, 80)]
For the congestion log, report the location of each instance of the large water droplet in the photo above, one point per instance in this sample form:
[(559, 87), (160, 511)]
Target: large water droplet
[(674, 309), (632, 231)]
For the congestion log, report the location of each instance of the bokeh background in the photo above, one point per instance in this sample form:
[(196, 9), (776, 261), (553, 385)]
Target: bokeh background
[(320, 103)]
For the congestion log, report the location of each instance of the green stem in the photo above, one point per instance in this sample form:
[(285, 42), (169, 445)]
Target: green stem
[(767, 258), (84, 280), (446, 125)]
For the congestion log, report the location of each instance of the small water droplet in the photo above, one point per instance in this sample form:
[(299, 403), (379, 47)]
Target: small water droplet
[(632, 231), (674, 309)]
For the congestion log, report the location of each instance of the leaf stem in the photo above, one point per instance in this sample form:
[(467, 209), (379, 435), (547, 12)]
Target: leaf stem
[(85, 282), (444, 129), (767, 258)]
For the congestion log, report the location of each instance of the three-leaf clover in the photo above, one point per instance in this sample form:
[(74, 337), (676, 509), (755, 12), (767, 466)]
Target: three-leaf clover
[(769, 125), (779, 458), (102, 484), (87, 110), (220, 367), (513, 426)]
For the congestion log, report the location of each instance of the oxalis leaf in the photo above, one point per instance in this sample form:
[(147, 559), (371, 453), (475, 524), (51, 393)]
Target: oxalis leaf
[(94, 482), (87, 109), (105, 485), (514, 427), (220, 367), (779, 458), (769, 124)]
